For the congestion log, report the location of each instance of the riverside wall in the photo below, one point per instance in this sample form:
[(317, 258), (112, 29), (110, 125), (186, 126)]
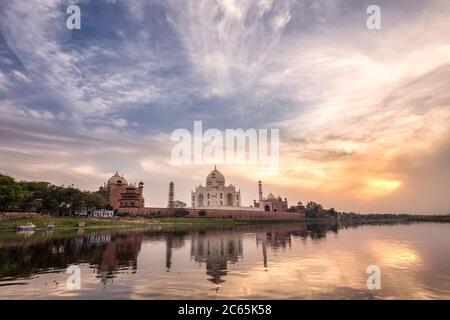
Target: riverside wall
[(219, 213)]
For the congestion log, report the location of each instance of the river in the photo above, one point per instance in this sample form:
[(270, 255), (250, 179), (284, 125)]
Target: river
[(268, 261)]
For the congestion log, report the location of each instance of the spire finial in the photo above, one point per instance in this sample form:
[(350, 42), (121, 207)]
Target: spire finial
[(215, 167)]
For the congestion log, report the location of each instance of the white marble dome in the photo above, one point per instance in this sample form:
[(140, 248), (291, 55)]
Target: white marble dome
[(215, 178)]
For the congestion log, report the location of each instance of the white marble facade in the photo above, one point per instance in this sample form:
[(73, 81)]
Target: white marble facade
[(215, 194)]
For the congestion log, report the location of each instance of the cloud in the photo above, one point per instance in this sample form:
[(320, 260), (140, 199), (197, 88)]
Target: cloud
[(20, 76), (353, 105), (3, 81), (120, 122)]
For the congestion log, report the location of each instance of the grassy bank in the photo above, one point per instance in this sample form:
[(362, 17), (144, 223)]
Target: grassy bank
[(39, 221), (68, 222), (11, 221)]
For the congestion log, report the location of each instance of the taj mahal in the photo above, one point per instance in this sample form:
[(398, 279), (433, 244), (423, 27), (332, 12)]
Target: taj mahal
[(216, 197), (215, 194)]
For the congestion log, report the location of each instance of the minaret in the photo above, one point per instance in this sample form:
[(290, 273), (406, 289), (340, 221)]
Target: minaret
[(141, 192), (260, 191), (171, 194)]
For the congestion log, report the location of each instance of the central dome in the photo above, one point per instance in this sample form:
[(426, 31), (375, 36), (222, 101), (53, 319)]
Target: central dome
[(117, 179), (215, 178)]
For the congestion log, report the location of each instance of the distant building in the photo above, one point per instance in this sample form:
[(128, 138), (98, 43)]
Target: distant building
[(122, 195), (102, 213), (270, 203), (215, 194)]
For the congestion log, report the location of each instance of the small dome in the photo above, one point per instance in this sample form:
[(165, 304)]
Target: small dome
[(271, 197), (117, 179), (215, 178)]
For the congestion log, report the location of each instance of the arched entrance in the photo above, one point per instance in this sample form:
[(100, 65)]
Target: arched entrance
[(267, 208), (200, 200), (229, 199)]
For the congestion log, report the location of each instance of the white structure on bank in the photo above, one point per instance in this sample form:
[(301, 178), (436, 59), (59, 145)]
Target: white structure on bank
[(103, 213), (216, 194), (100, 213)]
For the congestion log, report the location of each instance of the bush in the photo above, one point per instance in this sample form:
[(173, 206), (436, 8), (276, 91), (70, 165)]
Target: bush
[(122, 214), (181, 212), (202, 213)]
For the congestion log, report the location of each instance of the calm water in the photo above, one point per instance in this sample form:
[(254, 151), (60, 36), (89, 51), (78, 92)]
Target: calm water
[(279, 261)]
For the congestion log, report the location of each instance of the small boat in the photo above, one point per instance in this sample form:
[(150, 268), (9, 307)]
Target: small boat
[(50, 226), (25, 228)]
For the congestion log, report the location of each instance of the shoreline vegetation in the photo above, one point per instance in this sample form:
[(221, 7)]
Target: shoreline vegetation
[(9, 221)]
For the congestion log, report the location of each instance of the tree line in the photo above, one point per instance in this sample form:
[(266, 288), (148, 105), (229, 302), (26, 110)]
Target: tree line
[(314, 210), (44, 197)]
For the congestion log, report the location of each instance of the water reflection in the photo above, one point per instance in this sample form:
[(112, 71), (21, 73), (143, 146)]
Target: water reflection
[(230, 258), (174, 240), (216, 249), (120, 253)]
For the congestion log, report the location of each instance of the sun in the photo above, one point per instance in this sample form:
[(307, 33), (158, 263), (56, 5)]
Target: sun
[(375, 188)]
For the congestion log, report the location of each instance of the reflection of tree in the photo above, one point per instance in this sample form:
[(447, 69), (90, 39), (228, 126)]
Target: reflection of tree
[(317, 231), (216, 249), (108, 252)]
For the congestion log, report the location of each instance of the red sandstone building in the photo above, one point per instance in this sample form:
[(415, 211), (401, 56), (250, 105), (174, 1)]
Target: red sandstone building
[(122, 195), (270, 203)]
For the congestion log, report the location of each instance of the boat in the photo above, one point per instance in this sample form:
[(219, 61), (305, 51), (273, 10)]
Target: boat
[(28, 227), (50, 226)]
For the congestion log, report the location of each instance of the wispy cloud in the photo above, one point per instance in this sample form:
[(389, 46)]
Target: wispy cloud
[(362, 113)]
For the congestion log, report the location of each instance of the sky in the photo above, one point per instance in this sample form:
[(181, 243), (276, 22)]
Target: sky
[(363, 114)]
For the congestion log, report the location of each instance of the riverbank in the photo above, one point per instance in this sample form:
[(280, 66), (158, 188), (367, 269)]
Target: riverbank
[(11, 221)]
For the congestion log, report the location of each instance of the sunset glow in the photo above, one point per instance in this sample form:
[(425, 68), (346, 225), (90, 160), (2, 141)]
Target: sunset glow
[(363, 115)]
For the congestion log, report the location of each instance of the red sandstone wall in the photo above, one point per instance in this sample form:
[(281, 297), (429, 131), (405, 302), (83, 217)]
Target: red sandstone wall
[(216, 213), (114, 195)]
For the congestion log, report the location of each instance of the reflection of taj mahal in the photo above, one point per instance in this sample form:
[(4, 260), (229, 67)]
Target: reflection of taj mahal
[(216, 193), (216, 250)]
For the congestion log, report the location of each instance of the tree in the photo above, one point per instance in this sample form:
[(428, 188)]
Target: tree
[(332, 212), (179, 204), (181, 212), (12, 194), (37, 191), (202, 213), (313, 209), (94, 200), (38, 196)]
